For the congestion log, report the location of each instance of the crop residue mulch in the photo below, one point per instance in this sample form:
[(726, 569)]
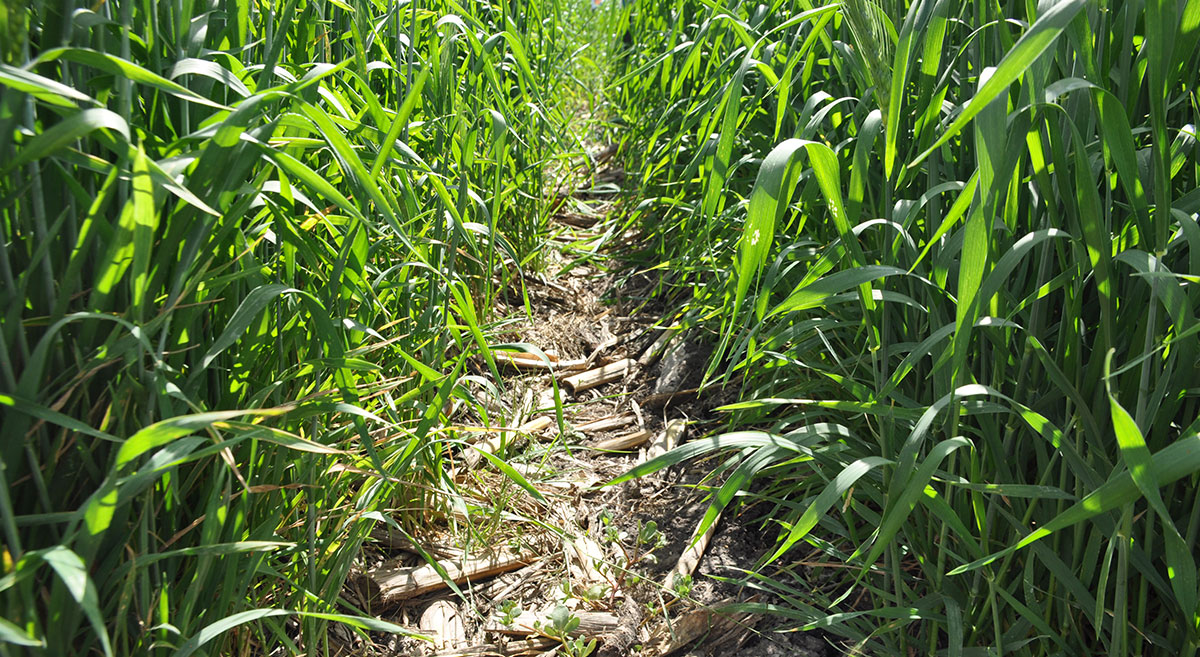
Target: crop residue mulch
[(620, 564)]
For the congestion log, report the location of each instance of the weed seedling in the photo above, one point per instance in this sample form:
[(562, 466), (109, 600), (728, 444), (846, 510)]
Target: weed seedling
[(649, 539), (562, 624), (509, 611), (681, 585)]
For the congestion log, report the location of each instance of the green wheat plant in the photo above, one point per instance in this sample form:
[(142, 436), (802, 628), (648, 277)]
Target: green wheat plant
[(249, 249), (948, 253)]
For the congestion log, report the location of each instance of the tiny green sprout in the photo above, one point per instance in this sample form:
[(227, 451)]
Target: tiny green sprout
[(594, 592), (562, 622), (509, 610), (612, 534), (577, 647), (649, 536), (682, 585), (647, 532)]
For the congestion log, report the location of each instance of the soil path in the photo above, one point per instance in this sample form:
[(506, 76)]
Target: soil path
[(570, 563)]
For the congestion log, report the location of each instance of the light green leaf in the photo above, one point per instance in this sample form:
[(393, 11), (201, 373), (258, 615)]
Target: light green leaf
[(67, 132), (73, 573), (251, 307), (127, 69), (44, 89), (10, 633), (1041, 35), (1176, 461)]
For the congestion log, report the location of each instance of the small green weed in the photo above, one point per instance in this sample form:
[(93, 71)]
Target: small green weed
[(562, 624)]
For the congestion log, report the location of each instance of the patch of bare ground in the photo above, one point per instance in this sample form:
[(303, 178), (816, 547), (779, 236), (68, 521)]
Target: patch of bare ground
[(621, 566)]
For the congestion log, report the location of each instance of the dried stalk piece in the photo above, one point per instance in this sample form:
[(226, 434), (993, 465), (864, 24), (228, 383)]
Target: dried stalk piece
[(624, 443), (535, 645), (591, 624), (670, 437), (691, 556), (605, 424), (599, 376), (662, 399), (469, 651), (441, 621), (524, 361), (401, 583), (657, 348), (520, 648), (536, 425), (489, 445)]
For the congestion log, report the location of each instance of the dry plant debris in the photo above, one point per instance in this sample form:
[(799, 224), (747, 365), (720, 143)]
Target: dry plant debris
[(584, 577)]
